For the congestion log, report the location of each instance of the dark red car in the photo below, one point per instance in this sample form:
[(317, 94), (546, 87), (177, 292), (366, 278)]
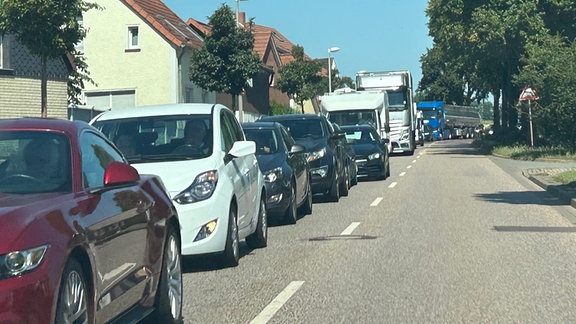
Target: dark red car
[(83, 237)]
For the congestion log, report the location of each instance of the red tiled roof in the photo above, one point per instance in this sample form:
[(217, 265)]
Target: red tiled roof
[(166, 22)]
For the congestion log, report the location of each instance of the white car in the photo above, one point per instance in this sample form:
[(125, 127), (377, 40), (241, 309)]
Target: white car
[(209, 169)]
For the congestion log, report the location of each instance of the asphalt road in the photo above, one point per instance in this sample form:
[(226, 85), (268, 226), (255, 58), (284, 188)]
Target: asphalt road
[(451, 237)]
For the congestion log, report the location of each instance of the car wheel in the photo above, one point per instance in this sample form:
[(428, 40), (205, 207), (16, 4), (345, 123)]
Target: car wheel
[(346, 181), (387, 168), (231, 253), (73, 297), (290, 217), (334, 193), (355, 177), (259, 238), (169, 296), (306, 208)]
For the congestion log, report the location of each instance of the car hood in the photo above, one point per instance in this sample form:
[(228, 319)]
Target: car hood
[(177, 175), (18, 212), (313, 144), (366, 149), (270, 161)]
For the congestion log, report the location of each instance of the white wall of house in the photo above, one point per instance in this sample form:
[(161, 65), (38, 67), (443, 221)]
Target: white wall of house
[(143, 75)]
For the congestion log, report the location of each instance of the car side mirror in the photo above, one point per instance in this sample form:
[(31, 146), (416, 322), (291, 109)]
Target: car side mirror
[(338, 135), (120, 173)]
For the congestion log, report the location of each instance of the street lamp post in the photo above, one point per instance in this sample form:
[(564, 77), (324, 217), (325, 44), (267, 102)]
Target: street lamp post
[(239, 97), (330, 51)]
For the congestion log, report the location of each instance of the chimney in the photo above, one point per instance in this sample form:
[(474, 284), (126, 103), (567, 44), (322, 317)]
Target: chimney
[(242, 18)]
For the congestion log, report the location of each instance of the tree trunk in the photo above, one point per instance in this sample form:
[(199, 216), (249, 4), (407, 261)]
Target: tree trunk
[(43, 87), (496, 119)]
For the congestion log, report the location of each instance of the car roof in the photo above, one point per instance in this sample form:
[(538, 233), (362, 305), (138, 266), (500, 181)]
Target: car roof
[(160, 110), (290, 117), (363, 126), (262, 124), (46, 124)]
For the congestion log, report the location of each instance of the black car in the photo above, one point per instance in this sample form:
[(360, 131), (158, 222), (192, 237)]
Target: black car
[(286, 171), (325, 152), (371, 151)]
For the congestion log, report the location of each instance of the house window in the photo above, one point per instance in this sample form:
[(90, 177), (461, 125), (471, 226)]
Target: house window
[(5, 66), (133, 38), (111, 99)]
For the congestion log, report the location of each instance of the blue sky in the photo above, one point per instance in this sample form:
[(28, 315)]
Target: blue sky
[(373, 35)]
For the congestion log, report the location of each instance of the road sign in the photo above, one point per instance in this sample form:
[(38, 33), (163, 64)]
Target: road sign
[(528, 94)]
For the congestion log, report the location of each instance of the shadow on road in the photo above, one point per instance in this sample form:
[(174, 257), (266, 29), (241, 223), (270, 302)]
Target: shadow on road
[(522, 198), (191, 264)]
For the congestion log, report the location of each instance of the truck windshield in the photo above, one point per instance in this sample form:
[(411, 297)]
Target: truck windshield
[(357, 117), (397, 100)]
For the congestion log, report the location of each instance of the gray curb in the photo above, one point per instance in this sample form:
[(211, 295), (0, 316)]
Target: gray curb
[(555, 188)]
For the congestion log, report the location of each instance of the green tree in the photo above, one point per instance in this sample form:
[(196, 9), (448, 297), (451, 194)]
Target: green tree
[(227, 60), (300, 79), (49, 29)]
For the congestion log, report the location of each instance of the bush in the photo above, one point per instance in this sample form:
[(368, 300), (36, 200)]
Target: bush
[(280, 109)]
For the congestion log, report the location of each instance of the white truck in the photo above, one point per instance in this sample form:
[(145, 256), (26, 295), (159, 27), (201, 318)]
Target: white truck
[(398, 85), (350, 107)]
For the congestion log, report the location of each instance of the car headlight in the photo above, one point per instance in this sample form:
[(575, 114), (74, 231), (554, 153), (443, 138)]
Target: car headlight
[(201, 189), (313, 156), (374, 156), (273, 175), (20, 262)]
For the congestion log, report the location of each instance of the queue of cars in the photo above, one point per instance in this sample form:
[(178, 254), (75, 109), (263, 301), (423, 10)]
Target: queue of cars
[(95, 218)]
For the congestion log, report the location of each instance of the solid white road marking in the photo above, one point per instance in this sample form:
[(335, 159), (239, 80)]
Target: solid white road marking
[(268, 312), (376, 202), (402, 174), (350, 228), (393, 184)]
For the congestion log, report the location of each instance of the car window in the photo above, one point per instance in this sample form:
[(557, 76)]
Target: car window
[(96, 155), (160, 138), (34, 162), (304, 128), (265, 139), (227, 135), (288, 140)]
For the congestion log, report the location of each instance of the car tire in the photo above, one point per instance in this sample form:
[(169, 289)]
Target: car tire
[(231, 253), (387, 168), (334, 193), (306, 208), (259, 238), (345, 184), (170, 288), (290, 216), (73, 296)]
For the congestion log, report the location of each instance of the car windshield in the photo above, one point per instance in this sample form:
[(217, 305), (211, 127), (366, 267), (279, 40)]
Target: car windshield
[(160, 138), (34, 162), (358, 117), (359, 136), (265, 139), (304, 128)]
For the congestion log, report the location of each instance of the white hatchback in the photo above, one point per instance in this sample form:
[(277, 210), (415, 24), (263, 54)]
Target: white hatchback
[(210, 170)]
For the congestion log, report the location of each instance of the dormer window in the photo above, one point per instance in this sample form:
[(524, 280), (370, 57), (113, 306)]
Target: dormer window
[(133, 38)]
